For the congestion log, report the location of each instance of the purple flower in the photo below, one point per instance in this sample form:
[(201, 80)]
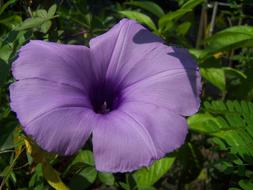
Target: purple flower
[(129, 90)]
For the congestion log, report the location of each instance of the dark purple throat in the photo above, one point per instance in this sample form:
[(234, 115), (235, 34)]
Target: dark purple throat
[(104, 96)]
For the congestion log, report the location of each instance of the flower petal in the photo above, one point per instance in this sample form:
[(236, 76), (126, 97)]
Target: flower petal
[(62, 130), (166, 129), (113, 49), (176, 91), (67, 64), (31, 98), (132, 54), (133, 136), (102, 48)]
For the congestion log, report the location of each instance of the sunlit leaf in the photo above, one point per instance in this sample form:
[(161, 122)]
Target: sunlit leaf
[(216, 76), (204, 123), (231, 38)]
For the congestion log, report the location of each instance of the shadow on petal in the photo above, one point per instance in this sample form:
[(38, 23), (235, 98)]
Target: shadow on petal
[(144, 36), (188, 61)]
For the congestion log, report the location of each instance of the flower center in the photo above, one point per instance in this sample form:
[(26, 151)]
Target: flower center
[(104, 97)]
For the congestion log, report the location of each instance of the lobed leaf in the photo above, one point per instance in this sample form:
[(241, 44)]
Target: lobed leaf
[(231, 121)]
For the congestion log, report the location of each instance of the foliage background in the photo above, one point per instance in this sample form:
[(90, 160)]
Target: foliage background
[(218, 152)]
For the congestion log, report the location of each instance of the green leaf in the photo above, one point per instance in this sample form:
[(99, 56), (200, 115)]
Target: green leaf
[(4, 70), (146, 177), (239, 29), (146, 188), (83, 179), (197, 53), (35, 151), (140, 17), (246, 184), (83, 157), (89, 173), (37, 177), (32, 23), (4, 6), (203, 123), (190, 4), (241, 58), (191, 162), (5, 52), (5, 172), (234, 72), (231, 38), (46, 26), (41, 13), (221, 144), (183, 28), (52, 177), (52, 10), (7, 136), (124, 186), (231, 121), (11, 21), (148, 6), (216, 76), (172, 16), (106, 178)]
